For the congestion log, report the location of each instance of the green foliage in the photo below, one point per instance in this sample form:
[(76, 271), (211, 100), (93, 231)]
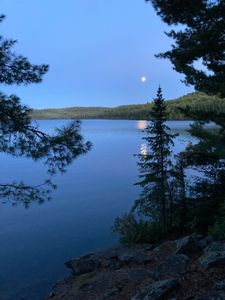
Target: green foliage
[(68, 113), (136, 230), (176, 109), (83, 280), (206, 195), (218, 229), (200, 39)]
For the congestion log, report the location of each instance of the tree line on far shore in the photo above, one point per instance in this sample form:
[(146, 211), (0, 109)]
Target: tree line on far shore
[(175, 109)]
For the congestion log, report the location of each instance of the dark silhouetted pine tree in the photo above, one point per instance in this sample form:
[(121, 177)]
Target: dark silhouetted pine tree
[(21, 137), (199, 39), (154, 167)]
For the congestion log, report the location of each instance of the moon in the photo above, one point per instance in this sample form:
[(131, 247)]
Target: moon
[(143, 79)]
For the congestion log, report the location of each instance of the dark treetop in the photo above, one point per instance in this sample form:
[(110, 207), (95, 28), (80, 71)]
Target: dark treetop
[(199, 39)]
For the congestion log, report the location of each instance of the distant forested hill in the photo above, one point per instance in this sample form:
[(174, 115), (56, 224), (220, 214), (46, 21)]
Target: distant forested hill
[(196, 101)]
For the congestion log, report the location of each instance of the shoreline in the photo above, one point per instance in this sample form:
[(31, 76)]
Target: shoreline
[(192, 267), (106, 119)]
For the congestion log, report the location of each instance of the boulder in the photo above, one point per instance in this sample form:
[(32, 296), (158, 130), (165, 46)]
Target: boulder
[(189, 244), (94, 261), (173, 267), (157, 290), (138, 256), (113, 258), (220, 286), (212, 259), (169, 245), (214, 255), (215, 246), (203, 243), (108, 294), (103, 282), (220, 295), (83, 265)]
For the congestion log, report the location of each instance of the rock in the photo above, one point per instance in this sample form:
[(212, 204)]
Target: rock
[(214, 255), (61, 290), (209, 239), (113, 258), (157, 290), (105, 280), (163, 251), (188, 244), (83, 265), (193, 243), (215, 246), (165, 246), (134, 256), (173, 267), (220, 286), (93, 261), (101, 285), (143, 247), (84, 280), (139, 274), (108, 294), (118, 273), (211, 296), (212, 259)]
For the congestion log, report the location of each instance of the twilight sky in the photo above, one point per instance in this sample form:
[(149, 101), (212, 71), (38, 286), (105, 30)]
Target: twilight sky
[(97, 51)]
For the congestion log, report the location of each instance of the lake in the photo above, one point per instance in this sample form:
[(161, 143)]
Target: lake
[(96, 188)]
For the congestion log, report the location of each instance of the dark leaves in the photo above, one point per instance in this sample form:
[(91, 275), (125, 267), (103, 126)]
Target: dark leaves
[(202, 38), (19, 136)]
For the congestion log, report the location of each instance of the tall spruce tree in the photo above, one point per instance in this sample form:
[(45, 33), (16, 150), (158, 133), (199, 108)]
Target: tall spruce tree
[(21, 137), (154, 167)]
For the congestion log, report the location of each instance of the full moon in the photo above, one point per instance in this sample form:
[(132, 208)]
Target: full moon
[(143, 79)]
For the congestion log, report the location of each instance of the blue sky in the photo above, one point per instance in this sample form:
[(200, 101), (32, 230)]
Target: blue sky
[(97, 51)]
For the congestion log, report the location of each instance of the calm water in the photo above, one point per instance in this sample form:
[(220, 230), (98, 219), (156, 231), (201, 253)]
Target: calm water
[(96, 188)]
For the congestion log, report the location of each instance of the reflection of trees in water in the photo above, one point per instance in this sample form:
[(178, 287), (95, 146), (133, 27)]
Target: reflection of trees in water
[(179, 128), (20, 138), (184, 132)]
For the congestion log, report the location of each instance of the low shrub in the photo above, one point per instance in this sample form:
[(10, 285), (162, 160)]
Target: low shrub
[(218, 229), (133, 230)]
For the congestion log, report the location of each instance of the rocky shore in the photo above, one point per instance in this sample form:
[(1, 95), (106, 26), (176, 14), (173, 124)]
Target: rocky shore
[(191, 268)]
